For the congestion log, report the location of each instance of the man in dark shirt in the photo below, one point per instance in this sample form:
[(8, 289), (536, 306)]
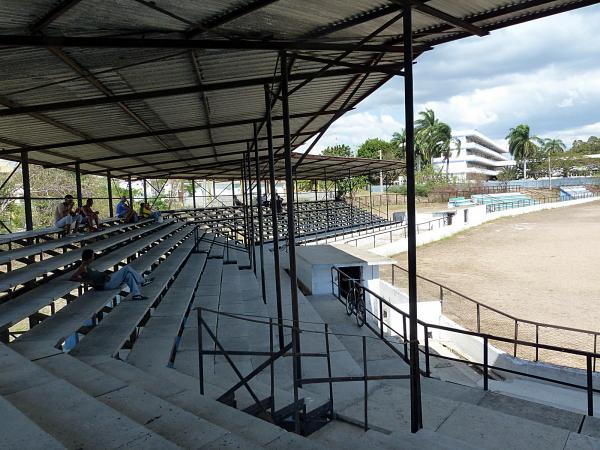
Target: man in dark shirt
[(107, 280)]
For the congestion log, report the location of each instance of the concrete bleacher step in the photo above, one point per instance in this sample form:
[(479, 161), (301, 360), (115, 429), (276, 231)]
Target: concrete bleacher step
[(31, 271), (37, 249), (106, 340), (69, 415), (162, 417), (19, 432), (44, 339), (23, 306)]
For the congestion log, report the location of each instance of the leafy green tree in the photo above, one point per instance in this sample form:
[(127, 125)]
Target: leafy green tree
[(432, 137), (342, 150), (376, 148), (592, 146), (399, 141)]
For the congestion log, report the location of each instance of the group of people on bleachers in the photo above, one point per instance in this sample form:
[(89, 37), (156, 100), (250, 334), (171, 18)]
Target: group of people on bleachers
[(69, 218), (266, 202)]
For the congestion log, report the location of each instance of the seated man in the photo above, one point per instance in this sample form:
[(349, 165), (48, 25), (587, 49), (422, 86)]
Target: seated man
[(66, 218), (147, 212), (89, 215), (236, 201), (108, 280), (126, 212)]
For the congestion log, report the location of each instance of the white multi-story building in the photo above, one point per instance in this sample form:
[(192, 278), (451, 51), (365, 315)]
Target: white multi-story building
[(476, 157)]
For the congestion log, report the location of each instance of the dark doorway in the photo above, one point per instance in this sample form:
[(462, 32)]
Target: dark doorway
[(351, 272)]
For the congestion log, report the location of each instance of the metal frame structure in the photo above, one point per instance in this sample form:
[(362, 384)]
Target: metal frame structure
[(155, 116)]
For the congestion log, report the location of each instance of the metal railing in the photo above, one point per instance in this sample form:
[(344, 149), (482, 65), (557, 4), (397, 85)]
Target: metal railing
[(503, 206), (384, 309), (266, 406), (420, 227), (477, 316)]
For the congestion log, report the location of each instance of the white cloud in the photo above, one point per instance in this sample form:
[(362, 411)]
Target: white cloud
[(545, 73)]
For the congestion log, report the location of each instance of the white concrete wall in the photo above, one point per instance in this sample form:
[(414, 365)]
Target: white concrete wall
[(476, 216)]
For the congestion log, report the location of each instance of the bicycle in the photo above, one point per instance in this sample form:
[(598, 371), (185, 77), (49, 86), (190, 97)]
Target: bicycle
[(355, 303)]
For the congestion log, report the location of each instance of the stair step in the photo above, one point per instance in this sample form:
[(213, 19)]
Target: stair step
[(18, 432)]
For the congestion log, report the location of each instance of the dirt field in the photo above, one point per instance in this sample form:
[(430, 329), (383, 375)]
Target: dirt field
[(541, 266)]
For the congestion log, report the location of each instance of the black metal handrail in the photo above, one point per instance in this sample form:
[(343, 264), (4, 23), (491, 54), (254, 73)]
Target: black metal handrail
[(440, 221), (485, 366), (287, 351), (516, 321)]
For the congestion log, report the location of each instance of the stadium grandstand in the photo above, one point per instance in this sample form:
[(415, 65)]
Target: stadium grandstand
[(229, 343)]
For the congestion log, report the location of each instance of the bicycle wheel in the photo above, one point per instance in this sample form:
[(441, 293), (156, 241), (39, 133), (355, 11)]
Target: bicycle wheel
[(350, 302), (361, 313)]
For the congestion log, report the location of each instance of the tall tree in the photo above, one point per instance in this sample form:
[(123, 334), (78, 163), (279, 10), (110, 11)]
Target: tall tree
[(376, 148), (399, 141), (553, 146), (521, 144), (338, 150), (432, 137)]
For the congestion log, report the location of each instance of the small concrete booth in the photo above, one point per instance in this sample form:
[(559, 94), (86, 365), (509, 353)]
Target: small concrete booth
[(314, 263)]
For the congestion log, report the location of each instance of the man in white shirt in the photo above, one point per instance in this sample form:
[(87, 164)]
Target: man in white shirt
[(65, 217)]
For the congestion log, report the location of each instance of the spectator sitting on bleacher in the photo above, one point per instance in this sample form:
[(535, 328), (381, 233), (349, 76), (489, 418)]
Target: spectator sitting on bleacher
[(89, 215), (279, 201), (107, 280), (147, 212), (236, 201), (66, 218), (126, 212)]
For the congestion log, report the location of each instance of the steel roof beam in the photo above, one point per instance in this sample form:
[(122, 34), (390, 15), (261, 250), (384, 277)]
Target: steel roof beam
[(448, 18), (177, 149), (207, 87), (123, 137), (222, 19), (335, 62), (52, 15), (198, 44)]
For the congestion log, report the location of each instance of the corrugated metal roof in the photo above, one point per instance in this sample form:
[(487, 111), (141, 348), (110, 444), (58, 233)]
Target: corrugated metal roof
[(144, 136)]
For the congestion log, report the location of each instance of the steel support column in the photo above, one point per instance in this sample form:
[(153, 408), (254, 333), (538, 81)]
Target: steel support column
[(245, 209), (289, 185), (416, 419), (26, 190), (145, 191), (193, 193), (130, 191), (274, 217), (78, 185), (110, 194), (251, 203), (261, 235)]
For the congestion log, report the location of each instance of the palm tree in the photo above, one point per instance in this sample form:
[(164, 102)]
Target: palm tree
[(399, 142), (432, 137), (520, 144), (553, 146)]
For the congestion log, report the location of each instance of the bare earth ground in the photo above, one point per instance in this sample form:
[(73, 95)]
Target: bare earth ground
[(540, 266)]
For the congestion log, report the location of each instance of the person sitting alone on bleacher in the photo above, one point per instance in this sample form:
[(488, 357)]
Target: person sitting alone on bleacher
[(146, 212), (279, 201), (108, 280), (89, 215), (236, 201), (66, 218), (126, 212)]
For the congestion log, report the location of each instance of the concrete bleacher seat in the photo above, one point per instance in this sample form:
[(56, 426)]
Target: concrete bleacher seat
[(24, 305), (34, 270), (38, 249)]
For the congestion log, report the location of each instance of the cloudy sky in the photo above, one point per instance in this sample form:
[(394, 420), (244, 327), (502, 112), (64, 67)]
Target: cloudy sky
[(545, 73)]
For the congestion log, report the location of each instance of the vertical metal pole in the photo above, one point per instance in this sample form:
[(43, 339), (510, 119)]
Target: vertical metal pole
[(291, 238), (246, 225), (130, 191), (316, 190), (26, 190), (193, 193), (328, 353), (365, 374), (232, 191), (145, 191), (261, 235), (78, 185), (371, 202), (200, 353), (485, 364), (251, 203), (415, 380), (590, 386), (110, 194), (274, 217)]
